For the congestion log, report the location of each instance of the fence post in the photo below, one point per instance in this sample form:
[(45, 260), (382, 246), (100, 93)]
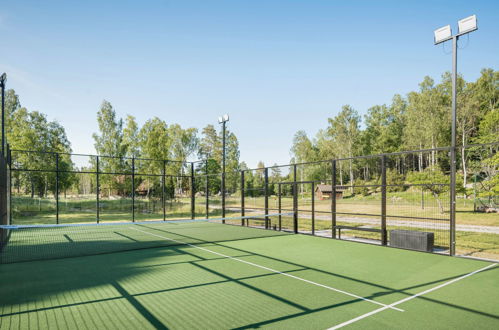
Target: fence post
[(279, 205), (222, 190), (474, 192), (133, 189), (333, 199), (383, 201), (193, 193), (266, 191), (97, 189), (295, 201), (163, 190), (242, 197), (452, 224), (313, 208), (57, 188), (9, 163), (207, 192)]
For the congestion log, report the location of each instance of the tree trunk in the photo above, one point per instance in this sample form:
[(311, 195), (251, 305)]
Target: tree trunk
[(32, 188), (422, 198), (351, 176), (433, 151), (420, 162), (301, 179), (440, 206), (341, 175)]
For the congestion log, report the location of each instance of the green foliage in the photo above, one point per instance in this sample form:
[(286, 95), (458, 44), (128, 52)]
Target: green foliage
[(345, 132), (34, 132), (384, 126), (110, 140), (155, 143), (394, 180), (214, 181), (209, 146), (131, 137), (360, 188), (431, 179), (420, 120)]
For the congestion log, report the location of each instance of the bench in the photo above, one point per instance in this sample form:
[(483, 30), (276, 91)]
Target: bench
[(372, 230)]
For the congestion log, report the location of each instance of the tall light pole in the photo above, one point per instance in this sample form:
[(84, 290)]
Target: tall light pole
[(3, 79), (465, 26), (223, 120)]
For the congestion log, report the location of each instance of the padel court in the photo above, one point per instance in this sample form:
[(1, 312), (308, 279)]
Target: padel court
[(210, 275)]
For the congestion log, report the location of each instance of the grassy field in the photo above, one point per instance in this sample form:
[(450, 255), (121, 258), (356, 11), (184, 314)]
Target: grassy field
[(398, 204), (42, 211)]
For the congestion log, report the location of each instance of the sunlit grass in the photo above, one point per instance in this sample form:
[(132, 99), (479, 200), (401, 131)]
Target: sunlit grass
[(26, 210)]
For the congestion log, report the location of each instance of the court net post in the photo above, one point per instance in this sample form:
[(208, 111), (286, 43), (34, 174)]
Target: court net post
[(279, 204), (193, 193), (383, 201), (266, 192), (295, 201), (242, 198), (333, 199)]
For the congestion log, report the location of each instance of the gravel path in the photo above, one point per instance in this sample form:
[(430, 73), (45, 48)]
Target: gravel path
[(418, 224), (404, 223)]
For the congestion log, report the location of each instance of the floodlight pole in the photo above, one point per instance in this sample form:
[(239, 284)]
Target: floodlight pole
[(3, 79), (453, 150), (455, 38)]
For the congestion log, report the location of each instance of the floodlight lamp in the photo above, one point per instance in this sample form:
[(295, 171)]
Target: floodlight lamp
[(3, 78), (226, 117), (220, 120), (442, 34), (467, 24)]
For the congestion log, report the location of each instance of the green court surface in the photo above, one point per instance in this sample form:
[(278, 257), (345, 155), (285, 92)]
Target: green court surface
[(215, 276)]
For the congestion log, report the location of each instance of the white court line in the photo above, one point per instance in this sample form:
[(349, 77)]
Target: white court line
[(408, 298), (274, 271)]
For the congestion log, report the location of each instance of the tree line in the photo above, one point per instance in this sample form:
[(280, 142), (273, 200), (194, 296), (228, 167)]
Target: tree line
[(419, 120), (42, 146)]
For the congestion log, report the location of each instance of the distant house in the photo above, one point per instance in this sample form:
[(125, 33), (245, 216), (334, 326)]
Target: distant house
[(324, 191), (143, 189)]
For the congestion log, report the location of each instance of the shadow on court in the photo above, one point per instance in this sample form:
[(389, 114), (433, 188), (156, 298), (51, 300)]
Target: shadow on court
[(146, 279)]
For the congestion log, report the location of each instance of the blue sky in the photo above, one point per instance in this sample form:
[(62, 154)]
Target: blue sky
[(275, 66)]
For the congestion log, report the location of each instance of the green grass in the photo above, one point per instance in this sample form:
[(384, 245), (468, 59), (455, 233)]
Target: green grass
[(185, 287), (43, 211), (398, 204), (27, 211)]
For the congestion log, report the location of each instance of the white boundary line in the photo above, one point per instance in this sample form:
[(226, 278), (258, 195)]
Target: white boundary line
[(275, 271), (409, 298)]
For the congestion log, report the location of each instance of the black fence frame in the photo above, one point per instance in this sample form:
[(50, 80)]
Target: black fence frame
[(98, 173), (195, 175)]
